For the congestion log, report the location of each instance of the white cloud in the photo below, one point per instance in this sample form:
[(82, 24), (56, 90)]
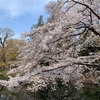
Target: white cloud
[(19, 7)]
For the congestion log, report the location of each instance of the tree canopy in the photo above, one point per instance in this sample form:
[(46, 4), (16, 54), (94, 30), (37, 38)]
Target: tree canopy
[(54, 50), (39, 24)]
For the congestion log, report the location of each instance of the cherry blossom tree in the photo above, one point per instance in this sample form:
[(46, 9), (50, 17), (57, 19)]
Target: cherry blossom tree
[(53, 50)]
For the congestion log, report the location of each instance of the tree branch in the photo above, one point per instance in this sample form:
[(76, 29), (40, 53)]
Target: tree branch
[(88, 8), (91, 65)]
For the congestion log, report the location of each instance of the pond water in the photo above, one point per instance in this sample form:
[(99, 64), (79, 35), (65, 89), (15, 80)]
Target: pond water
[(16, 96), (87, 93), (21, 95)]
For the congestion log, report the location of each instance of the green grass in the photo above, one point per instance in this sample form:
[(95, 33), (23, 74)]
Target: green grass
[(3, 76)]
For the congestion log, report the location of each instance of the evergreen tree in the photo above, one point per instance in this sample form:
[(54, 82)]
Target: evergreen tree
[(39, 24), (40, 21)]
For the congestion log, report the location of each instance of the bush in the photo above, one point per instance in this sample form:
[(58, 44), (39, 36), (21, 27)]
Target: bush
[(3, 76)]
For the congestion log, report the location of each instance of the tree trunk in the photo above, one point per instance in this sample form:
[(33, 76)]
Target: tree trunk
[(4, 53)]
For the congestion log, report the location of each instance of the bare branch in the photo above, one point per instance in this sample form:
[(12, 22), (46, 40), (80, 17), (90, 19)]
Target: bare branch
[(87, 7)]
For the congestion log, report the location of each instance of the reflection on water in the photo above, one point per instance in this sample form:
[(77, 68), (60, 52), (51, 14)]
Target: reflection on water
[(21, 95), (16, 96), (61, 92)]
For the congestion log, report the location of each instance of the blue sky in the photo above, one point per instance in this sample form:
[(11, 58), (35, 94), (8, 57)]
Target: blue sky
[(20, 15)]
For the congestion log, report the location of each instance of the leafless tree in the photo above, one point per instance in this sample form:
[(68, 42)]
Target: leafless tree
[(5, 33)]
